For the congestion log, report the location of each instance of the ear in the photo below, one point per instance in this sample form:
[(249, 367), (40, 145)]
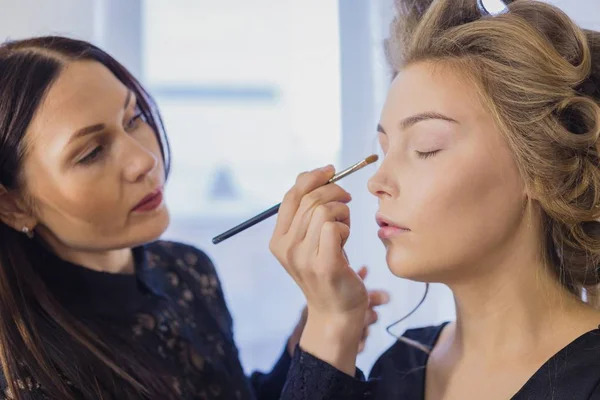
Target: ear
[(13, 211), (531, 190)]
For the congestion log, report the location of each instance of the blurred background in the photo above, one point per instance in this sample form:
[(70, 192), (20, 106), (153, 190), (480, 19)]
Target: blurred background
[(253, 92)]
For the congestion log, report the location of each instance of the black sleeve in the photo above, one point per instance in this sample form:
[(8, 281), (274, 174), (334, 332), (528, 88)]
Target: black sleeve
[(269, 386), (596, 394), (310, 378), (265, 386)]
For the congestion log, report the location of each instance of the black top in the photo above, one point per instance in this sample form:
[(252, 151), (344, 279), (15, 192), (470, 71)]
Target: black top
[(174, 307), (571, 374)]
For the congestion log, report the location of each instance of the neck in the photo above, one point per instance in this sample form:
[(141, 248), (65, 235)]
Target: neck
[(119, 261), (111, 261), (510, 308)]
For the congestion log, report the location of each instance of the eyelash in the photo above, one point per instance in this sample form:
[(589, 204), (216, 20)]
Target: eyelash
[(137, 117), (91, 156), (97, 151), (428, 154)]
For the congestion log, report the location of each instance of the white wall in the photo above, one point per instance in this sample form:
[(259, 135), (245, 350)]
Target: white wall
[(585, 12), (23, 18), (114, 25)]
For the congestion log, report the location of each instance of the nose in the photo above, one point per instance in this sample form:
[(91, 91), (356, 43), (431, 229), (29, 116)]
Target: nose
[(381, 185), (141, 161)]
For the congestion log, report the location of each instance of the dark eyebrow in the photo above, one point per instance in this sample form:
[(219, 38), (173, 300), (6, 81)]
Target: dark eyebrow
[(97, 127), (415, 119), (86, 131)]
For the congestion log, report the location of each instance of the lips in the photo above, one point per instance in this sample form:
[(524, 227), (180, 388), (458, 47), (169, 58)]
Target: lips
[(151, 202), (389, 229)]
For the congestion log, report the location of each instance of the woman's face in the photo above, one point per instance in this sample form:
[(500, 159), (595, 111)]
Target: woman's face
[(450, 195), (93, 169)]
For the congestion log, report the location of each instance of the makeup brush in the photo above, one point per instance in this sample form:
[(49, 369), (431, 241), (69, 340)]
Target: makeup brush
[(273, 210)]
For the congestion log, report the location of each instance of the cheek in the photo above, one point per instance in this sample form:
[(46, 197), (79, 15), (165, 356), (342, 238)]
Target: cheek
[(76, 199), (442, 189), (88, 193), (477, 180), (462, 208)]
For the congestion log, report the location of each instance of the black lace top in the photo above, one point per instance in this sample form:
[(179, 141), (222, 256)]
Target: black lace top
[(399, 374), (174, 307)]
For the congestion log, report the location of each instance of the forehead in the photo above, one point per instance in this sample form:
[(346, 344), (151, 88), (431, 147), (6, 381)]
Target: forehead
[(84, 93), (429, 86)]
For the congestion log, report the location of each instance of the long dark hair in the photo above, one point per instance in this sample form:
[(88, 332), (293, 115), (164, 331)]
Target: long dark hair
[(42, 344)]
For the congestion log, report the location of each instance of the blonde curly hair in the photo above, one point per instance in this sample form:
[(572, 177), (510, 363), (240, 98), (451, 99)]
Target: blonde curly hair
[(538, 74)]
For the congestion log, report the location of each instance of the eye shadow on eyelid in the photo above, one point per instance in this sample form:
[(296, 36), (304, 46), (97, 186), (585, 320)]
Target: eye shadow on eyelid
[(431, 140)]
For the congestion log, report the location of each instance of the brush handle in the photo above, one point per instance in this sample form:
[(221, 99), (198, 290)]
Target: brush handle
[(247, 224), (275, 209), (266, 214)]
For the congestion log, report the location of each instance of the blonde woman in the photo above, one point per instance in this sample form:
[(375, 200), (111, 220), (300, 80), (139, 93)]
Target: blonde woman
[(490, 184)]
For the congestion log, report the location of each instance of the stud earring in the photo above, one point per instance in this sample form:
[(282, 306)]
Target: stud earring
[(27, 232)]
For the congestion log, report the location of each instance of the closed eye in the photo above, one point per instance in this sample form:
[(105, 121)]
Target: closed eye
[(427, 154)]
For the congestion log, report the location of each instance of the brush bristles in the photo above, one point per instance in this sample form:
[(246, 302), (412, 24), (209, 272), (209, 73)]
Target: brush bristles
[(372, 158)]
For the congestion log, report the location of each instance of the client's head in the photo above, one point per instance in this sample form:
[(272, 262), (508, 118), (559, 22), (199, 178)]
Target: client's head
[(490, 133)]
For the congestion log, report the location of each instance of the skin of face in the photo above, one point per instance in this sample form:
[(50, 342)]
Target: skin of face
[(447, 177), (90, 158)]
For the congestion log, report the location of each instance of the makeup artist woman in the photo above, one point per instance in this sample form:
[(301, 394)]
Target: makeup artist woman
[(91, 306)]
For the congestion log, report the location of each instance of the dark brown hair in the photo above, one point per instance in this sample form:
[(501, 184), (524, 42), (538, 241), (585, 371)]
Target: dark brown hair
[(41, 343), (538, 74)]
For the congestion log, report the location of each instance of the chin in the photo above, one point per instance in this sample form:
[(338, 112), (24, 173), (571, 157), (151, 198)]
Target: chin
[(411, 266), (152, 229)]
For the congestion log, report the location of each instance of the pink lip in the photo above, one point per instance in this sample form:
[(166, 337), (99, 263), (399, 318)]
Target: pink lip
[(150, 202), (388, 229)]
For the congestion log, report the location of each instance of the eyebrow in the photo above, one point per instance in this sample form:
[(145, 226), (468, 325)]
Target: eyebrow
[(415, 119), (97, 127)]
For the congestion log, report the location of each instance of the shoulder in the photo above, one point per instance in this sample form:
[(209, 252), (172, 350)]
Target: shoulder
[(408, 353), (179, 262), (181, 267), (426, 335), (27, 386), (401, 368), (167, 253), (573, 372)]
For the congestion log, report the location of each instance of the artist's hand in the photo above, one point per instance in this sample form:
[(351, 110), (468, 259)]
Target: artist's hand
[(376, 299), (312, 227)]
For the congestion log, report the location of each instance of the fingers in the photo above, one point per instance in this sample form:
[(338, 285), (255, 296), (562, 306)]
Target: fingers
[(318, 201), (309, 238), (331, 243), (362, 272), (329, 212), (305, 183), (371, 317), (363, 340), (378, 298)]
